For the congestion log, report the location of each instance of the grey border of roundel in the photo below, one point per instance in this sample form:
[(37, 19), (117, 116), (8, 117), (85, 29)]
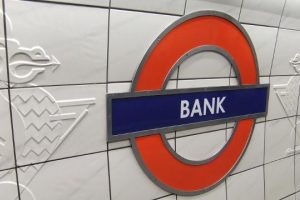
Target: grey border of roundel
[(166, 31), (110, 97)]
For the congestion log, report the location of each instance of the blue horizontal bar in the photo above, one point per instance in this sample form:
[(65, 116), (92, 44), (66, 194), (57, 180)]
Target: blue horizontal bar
[(142, 113)]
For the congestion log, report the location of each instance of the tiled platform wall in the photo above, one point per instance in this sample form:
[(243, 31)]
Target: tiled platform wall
[(59, 58)]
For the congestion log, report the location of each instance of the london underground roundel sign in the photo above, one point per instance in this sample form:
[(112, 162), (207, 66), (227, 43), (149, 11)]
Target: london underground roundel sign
[(148, 112)]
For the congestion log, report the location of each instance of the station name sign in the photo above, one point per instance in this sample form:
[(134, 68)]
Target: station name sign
[(170, 110)]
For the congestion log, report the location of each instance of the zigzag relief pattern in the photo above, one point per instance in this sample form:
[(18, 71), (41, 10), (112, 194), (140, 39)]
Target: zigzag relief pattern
[(25, 112), (41, 135), (30, 167), (25, 96), (38, 106), (44, 145), (38, 136), (40, 125)]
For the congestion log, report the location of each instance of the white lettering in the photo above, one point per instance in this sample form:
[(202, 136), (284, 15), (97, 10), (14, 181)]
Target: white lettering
[(184, 111), (210, 106), (196, 108), (219, 105), (200, 107)]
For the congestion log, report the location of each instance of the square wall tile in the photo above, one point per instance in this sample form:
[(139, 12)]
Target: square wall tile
[(298, 196), (263, 39), (254, 154), (52, 44), (231, 7), (287, 52), (128, 42), (291, 15), (279, 178), (283, 97), (84, 2), (280, 138), (247, 185), (262, 12), (218, 193), (57, 122), (159, 6), (128, 180), (201, 146), (204, 65), (84, 177), (6, 143), (8, 185)]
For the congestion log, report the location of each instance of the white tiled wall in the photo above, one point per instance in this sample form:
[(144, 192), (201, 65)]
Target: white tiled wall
[(64, 56)]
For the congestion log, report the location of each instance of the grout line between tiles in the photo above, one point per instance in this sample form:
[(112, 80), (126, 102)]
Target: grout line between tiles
[(60, 159), (168, 195), (264, 157), (107, 68), (102, 7), (242, 4), (185, 4), (9, 98), (116, 82)]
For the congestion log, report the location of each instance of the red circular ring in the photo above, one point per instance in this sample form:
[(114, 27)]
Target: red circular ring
[(199, 29)]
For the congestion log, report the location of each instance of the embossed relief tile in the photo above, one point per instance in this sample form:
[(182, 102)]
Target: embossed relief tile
[(218, 193), (205, 65), (84, 2), (287, 53), (129, 42), (279, 178), (280, 138), (263, 12), (79, 178), (160, 6), (248, 185), (254, 154), (283, 97), (6, 142), (56, 122), (8, 185), (128, 181), (231, 7), (53, 44), (263, 39), (201, 146), (291, 15)]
